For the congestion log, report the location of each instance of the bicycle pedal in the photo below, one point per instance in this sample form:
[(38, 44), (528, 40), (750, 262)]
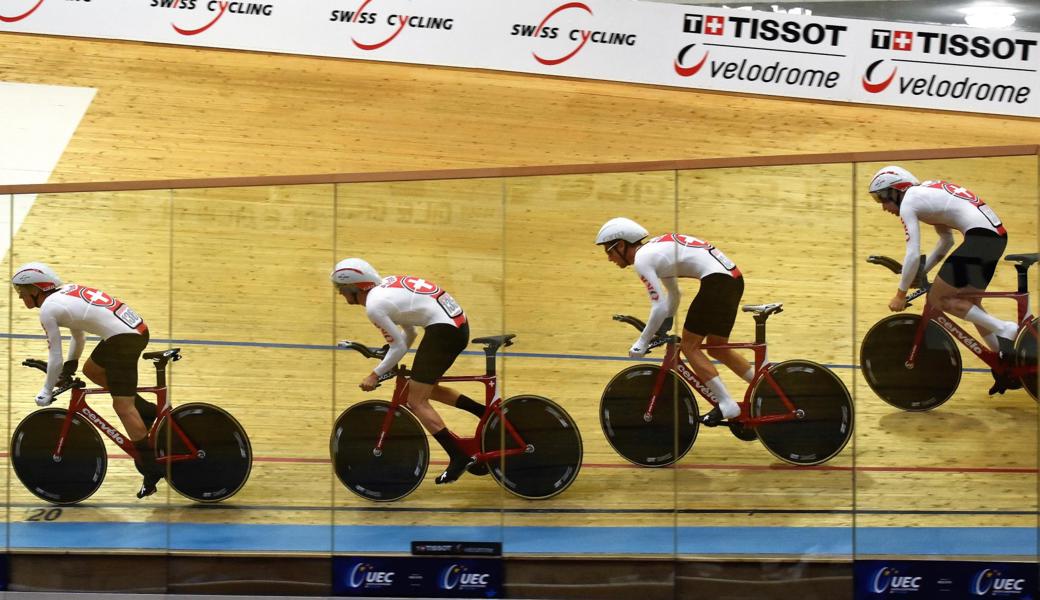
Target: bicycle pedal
[(741, 432), (478, 468)]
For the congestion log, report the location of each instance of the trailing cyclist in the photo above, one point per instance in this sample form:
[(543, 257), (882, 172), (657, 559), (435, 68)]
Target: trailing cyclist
[(969, 269), (113, 362), (659, 262), (397, 305)]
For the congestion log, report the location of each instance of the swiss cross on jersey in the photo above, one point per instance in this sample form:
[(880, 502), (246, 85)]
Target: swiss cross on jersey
[(418, 285), (96, 297), (964, 193)]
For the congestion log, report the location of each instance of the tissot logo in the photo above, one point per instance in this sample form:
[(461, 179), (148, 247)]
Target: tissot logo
[(766, 30), (211, 12), (386, 26), (874, 83), (953, 44), (19, 10), (556, 26)]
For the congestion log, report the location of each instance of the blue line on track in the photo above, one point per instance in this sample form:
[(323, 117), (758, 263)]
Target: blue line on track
[(355, 539)]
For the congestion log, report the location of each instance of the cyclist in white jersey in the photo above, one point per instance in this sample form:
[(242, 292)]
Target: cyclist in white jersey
[(948, 207), (658, 263), (113, 362), (397, 305)]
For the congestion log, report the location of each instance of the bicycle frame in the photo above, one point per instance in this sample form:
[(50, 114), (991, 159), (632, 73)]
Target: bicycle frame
[(493, 406), (988, 356), (673, 362), (78, 406)]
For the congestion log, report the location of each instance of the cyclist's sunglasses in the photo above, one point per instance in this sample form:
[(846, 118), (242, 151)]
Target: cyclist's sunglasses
[(346, 287), (608, 247), (885, 195)]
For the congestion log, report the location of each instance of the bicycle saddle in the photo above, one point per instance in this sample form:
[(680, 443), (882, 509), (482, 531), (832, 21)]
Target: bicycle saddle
[(763, 309), (496, 340), (1023, 259), (174, 353)]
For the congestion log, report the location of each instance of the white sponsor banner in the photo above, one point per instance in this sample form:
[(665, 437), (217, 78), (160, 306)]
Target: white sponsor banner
[(695, 47)]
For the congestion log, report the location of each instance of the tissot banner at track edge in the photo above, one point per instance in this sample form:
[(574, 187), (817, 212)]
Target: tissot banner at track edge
[(873, 62)]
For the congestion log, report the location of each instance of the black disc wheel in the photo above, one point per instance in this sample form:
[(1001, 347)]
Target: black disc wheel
[(936, 371), (381, 475), (222, 457), (67, 479), (823, 418), (660, 439), (551, 442), (1025, 356)]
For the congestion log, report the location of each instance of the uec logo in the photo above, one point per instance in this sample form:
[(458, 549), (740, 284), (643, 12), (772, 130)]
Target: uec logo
[(457, 576), (889, 579), (989, 580), (365, 574)]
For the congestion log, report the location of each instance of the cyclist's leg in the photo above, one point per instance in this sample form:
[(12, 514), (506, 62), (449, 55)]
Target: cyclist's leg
[(969, 269), (453, 397), (712, 313), (96, 374), (731, 358), (440, 346), (117, 358)]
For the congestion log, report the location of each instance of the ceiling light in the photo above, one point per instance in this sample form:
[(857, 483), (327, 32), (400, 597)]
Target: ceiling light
[(989, 16)]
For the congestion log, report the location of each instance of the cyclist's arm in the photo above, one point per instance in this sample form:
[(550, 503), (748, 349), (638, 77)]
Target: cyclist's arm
[(913, 248), (942, 247), (76, 344), (659, 305), (49, 322), (393, 336), (409, 335), (672, 285)]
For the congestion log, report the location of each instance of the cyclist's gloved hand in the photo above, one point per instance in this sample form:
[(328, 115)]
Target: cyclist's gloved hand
[(68, 371), (44, 398), (637, 351)]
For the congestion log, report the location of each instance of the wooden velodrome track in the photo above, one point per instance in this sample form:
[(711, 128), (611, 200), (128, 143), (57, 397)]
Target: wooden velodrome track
[(237, 275)]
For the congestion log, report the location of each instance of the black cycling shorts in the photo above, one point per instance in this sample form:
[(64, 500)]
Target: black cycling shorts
[(714, 308), (975, 260), (118, 356), (441, 344)]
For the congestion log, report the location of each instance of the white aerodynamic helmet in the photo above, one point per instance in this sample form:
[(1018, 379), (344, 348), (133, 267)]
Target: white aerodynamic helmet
[(356, 273), (620, 228), (888, 181), (38, 275)]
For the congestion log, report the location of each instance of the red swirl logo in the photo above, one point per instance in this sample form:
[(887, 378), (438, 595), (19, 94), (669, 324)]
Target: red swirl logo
[(25, 14), (584, 35), (877, 88)]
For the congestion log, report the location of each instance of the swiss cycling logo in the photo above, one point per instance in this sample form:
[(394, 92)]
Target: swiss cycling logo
[(380, 28), (751, 37), (562, 34), (197, 16), (957, 66), (22, 12)]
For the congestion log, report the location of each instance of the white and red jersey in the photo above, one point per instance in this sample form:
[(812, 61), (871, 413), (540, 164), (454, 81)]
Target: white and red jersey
[(946, 206), (403, 302), (83, 309), (663, 259)]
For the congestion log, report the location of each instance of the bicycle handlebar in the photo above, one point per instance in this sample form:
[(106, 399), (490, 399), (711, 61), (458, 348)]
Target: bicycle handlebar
[(660, 338), (920, 281), (363, 350), (75, 382)]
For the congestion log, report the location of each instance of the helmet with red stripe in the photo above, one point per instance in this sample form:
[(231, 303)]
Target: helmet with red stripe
[(38, 275), (890, 183), (354, 274)]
